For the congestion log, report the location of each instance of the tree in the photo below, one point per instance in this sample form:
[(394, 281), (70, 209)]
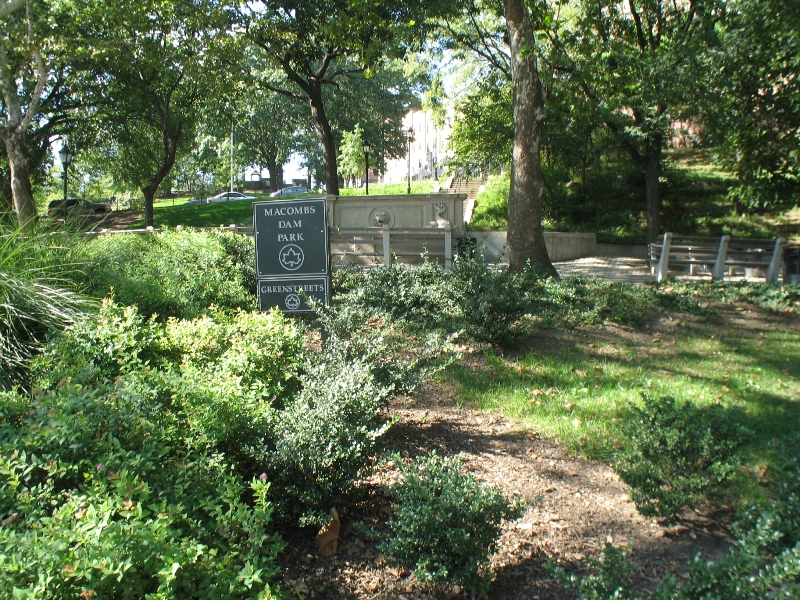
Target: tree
[(155, 65), (506, 76), (23, 76), (267, 132), (483, 133), (352, 161), (315, 43), (752, 113), (526, 197), (377, 101), (638, 63)]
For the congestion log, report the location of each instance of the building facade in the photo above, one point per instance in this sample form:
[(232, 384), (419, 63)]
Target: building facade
[(428, 150)]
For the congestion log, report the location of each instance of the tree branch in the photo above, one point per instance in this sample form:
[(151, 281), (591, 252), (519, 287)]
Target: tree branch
[(638, 22), (9, 6)]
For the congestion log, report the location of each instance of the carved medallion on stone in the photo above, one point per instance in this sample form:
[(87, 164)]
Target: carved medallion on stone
[(380, 216)]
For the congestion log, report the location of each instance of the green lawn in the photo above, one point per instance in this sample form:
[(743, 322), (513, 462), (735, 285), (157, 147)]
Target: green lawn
[(578, 391)]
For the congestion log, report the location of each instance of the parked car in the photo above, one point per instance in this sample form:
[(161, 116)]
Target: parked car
[(227, 196), (77, 205), (289, 191)]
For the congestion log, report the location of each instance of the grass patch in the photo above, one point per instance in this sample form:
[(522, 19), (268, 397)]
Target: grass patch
[(491, 205), (390, 189), (580, 392)]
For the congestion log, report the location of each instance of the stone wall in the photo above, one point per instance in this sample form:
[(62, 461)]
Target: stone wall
[(397, 211), (560, 246)]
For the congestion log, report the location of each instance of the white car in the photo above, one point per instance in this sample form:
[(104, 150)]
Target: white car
[(228, 196), (289, 191)]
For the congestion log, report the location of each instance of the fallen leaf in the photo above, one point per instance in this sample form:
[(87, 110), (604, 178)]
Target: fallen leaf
[(580, 373), (598, 368), (577, 422), (726, 389), (537, 392), (10, 520), (297, 587), (569, 406), (328, 536), (615, 442), (550, 391)]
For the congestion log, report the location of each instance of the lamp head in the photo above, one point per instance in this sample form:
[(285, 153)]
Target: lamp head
[(65, 154)]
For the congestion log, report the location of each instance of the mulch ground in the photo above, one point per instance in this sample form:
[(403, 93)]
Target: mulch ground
[(575, 506)]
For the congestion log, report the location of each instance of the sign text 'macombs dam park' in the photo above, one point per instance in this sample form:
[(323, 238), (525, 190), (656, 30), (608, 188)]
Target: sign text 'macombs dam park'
[(291, 253)]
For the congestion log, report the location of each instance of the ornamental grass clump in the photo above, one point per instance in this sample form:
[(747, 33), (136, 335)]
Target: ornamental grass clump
[(38, 296), (446, 523)]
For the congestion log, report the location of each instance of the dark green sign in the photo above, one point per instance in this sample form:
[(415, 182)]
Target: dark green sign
[(291, 238), (291, 253), (291, 295)]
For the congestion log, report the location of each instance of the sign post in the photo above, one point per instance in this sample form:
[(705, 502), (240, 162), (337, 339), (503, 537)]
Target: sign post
[(292, 254)]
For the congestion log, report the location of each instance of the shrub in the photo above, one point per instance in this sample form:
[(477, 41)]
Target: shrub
[(321, 442), (491, 302), (418, 297), (446, 523), (330, 434), (491, 205), (763, 562), (174, 273), (242, 251), (611, 580), (112, 501), (484, 303), (398, 358), (215, 377), (677, 454)]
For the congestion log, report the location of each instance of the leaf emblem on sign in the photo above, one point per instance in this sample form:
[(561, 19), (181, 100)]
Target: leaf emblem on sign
[(291, 257)]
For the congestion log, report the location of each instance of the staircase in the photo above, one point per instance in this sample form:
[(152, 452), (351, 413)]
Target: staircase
[(471, 187)]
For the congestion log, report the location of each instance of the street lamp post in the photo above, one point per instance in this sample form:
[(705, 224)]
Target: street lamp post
[(410, 138), (366, 148), (66, 155)]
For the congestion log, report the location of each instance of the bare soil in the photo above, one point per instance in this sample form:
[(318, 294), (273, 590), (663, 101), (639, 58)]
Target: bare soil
[(575, 506), (118, 219)]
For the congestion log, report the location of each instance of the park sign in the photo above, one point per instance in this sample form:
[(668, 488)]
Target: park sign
[(292, 255)]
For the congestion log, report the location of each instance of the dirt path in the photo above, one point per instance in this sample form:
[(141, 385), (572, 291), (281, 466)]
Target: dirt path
[(575, 507)]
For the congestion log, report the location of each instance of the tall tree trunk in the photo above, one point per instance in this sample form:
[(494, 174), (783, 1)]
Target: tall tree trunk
[(652, 171), (167, 162), (323, 130), (272, 167), (21, 189), (526, 197), (149, 198)]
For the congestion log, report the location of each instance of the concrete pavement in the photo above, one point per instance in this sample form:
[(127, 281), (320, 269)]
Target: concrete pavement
[(634, 270)]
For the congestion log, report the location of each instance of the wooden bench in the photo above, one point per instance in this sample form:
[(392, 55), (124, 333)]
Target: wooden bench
[(716, 255)]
